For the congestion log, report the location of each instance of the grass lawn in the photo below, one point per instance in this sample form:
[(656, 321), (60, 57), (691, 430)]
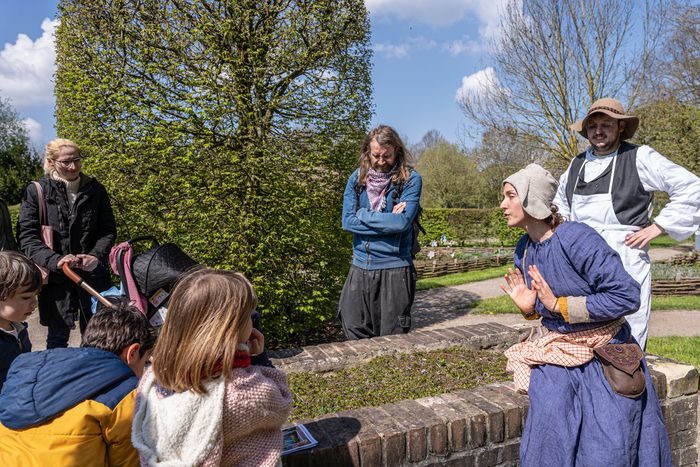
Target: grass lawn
[(666, 241), (461, 278), (394, 378), (503, 304), (681, 349)]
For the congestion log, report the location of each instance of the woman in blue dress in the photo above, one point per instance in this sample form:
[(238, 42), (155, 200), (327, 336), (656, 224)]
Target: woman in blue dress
[(567, 276)]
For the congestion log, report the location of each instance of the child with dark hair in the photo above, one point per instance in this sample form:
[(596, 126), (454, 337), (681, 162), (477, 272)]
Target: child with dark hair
[(73, 406), (20, 281)]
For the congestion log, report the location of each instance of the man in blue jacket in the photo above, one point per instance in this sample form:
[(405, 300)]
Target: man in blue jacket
[(380, 204)]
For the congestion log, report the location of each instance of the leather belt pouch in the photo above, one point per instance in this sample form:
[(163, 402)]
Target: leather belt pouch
[(622, 366)]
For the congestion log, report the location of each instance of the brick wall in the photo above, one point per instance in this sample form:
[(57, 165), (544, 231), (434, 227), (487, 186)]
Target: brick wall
[(481, 427)]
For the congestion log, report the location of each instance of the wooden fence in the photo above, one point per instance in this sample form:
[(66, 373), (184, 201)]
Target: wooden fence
[(435, 268), (679, 285), (683, 286)]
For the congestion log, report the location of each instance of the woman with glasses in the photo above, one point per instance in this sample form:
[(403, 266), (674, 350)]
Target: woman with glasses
[(380, 203), (78, 210)]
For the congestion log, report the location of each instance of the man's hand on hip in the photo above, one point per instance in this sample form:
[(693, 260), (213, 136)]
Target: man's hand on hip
[(641, 238)]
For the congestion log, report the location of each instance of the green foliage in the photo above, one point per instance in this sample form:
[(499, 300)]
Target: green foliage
[(229, 127), (508, 236), (468, 226), (668, 271), (18, 160), (450, 178), (394, 378), (680, 349), (673, 129), (435, 223)]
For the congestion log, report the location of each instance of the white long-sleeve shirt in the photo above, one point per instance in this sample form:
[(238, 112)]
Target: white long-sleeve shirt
[(680, 218)]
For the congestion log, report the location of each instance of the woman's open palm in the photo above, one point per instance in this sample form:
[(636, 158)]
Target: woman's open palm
[(522, 296)]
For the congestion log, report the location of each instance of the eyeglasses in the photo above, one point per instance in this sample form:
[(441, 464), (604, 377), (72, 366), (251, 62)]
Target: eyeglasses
[(68, 162)]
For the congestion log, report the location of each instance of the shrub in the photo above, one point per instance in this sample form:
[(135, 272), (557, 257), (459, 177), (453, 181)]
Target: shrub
[(468, 226)]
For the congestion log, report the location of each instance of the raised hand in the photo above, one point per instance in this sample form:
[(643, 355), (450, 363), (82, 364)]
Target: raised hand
[(544, 293), (517, 290)]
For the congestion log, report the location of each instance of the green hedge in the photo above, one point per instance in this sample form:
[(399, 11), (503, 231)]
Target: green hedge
[(468, 226)]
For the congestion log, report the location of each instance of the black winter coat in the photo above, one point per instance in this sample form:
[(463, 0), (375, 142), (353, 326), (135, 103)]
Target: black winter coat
[(7, 240), (10, 348), (87, 228)]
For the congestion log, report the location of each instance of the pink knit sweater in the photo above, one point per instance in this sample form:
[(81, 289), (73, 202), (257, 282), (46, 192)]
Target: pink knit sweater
[(256, 403)]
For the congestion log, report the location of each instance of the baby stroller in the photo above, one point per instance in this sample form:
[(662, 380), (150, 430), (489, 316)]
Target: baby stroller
[(146, 278)]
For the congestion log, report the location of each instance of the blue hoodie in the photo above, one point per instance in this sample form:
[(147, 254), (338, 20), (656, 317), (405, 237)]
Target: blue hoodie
[(381, 240), (62, 406), (41, 385)]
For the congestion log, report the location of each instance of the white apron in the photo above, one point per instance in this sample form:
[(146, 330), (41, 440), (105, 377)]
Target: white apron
[(598, 212)]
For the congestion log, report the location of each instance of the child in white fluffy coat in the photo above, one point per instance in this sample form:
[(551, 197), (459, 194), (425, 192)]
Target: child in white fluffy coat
[(201, 402)]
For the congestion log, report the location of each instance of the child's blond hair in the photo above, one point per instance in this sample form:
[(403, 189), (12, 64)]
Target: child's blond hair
[(207, 309), (17, 272)]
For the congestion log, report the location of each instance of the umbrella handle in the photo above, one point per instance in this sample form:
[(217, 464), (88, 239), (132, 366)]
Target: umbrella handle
[(84, 285)]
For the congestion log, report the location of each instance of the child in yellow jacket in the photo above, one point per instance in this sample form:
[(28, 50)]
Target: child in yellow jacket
[(73, 406)]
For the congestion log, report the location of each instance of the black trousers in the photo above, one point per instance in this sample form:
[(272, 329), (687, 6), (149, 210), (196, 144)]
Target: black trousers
[(377, 302)]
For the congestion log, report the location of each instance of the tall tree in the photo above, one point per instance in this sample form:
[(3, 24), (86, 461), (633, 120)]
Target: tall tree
[(681, 55), (553, 58), (500, 154), (429, 139), (19, 161), (450, 178), (672, 128), (228, 126)]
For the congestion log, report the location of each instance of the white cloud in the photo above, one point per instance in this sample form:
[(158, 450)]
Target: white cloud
[(403, 50), (35, 131), (392, 50), (27, 68), (477, 84), (437, 13), (460, 46)]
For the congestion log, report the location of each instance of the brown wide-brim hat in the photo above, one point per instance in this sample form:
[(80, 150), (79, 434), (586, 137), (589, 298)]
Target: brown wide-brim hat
[(612, 108)]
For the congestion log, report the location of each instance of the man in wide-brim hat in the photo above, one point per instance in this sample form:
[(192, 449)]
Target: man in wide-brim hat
[(610, 187)]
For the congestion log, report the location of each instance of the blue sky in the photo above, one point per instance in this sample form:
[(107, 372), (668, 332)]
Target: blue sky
[(425, 51)]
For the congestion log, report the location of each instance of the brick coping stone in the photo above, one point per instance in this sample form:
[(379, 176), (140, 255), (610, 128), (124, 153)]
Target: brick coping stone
[(479, 427), (340, 355)]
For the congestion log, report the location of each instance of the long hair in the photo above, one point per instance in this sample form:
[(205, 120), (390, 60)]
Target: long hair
[(51, 152), (385, 135), (207, 309)]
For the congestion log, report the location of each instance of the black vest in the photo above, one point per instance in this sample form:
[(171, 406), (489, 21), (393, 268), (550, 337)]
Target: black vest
[(630, 201)]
